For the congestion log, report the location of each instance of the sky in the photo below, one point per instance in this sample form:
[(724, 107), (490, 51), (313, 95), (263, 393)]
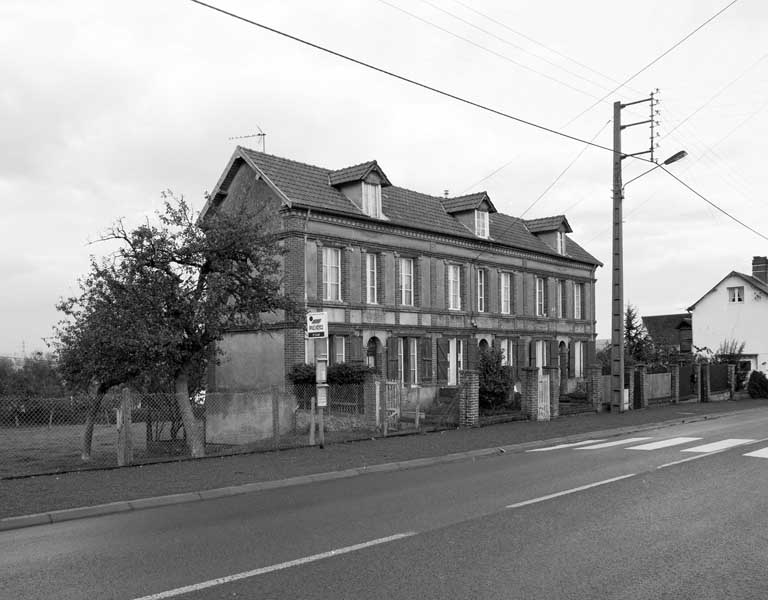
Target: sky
[(103, 105)]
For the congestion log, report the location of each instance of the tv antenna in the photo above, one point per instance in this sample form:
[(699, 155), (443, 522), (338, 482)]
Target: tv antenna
[(261, 135)]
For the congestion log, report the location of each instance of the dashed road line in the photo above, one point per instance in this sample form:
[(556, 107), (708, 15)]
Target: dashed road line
[(614, 443), (561, 446), (665, 443), (721, 445)]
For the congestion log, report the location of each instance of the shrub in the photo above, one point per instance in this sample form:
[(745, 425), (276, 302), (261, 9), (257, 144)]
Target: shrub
[(757, 385), (496, 381), (302, 373), (339, 374)]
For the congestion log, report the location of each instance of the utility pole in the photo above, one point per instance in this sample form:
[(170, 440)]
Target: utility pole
[(617, 275)]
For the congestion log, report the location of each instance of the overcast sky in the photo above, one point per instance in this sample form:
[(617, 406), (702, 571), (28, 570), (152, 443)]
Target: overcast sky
[(105, 104)]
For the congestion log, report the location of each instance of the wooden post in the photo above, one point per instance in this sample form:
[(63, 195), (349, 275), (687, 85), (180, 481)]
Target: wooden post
[(275, 417), (124, 442), (312, 422)]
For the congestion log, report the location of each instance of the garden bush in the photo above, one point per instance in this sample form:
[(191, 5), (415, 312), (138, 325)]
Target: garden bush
[(757, 386)]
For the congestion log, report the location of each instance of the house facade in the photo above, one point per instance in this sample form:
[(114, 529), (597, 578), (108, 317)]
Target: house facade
[(412, 284), (672, 332), (736, 309)]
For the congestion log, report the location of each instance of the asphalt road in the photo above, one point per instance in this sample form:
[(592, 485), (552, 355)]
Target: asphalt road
[(628, 520)]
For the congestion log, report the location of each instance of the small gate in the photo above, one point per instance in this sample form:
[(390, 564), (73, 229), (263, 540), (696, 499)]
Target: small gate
[(543, 400), (392, 403)]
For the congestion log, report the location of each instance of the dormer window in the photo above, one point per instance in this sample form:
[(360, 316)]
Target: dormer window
[(372, 200), (481, 223), (560, 242)]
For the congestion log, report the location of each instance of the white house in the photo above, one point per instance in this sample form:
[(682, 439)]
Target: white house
[(736, 309)]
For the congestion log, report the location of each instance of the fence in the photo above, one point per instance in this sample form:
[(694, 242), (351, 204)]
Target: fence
[(718, 378), (659, 385), (42, 435)]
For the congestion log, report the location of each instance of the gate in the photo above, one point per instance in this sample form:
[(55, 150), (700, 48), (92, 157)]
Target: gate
[(687, 381), (392, 403), (543, 400)]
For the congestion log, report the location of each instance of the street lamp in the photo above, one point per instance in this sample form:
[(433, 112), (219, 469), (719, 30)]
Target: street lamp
[(617, 280)]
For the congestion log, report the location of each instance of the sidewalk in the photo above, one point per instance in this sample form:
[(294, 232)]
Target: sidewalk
[(43, 494)]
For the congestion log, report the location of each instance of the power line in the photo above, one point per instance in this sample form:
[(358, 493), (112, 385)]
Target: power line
[(725, 212), (654, 61), (406, 79)]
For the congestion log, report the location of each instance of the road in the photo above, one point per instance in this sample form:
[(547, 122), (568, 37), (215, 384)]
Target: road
[(678, 512)]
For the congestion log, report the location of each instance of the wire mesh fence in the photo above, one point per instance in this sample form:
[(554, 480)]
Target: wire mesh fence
[(42, 435)]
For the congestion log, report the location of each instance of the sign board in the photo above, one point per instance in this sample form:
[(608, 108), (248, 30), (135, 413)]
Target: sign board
[(322, 396), (317, 325)]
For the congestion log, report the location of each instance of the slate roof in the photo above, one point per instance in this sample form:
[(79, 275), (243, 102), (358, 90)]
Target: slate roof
[(754, 281), (548, 224), (467, 202), (665, 327), (308, 186), (357, 173)]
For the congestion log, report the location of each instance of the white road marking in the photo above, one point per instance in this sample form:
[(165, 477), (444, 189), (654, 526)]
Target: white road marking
[(284, 565), (614, 443), (762, 453), (665, 443), (684, 460), (721, 445), (559, 446), (571, 491)]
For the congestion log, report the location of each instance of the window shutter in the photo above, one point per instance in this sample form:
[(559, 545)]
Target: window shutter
[(516, 350), (355, 349), (426, 359), (552, 359), (545, 280), (589, 354), (443, 347), (532, 353), (392, 373), (571, 360), (473, 354)]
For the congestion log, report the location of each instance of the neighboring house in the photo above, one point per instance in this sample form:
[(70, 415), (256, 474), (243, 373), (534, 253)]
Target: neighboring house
[(736, 309), (412, 284), (671, 332)]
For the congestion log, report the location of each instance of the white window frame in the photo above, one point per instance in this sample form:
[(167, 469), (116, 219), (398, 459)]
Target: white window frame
[(736, 294), (372, 276), (336, 344), (406, 281), (560, 298), (413, 364), (578, 359), (578, 291), (481, 223), (401, 360), (561, 242), (454, 287), (371, 200), (506, 345), (481, 290), (505, 285), (540, 308), (332, 274)]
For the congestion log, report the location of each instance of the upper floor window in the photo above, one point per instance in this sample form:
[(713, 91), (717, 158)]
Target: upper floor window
[(454, 287), (561, 242), (331, 273), (541, 304), (371, 278), (480, 290), (578, 301), (506, 293), (406, 281), (372, 200), (736, 294), (560, 299), (481, 223)]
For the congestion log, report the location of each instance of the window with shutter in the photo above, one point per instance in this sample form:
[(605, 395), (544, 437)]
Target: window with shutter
[(426, 360), (443, 348)]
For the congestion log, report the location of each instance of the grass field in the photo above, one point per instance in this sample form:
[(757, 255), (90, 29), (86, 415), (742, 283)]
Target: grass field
[(29, 450)]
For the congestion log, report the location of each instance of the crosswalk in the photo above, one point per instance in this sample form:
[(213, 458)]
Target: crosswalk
[(692, 445)]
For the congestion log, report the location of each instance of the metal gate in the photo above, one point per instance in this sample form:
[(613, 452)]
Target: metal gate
[(392, 402)]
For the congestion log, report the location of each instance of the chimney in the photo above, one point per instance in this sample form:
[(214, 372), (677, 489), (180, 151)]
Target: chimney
[(760, 268)]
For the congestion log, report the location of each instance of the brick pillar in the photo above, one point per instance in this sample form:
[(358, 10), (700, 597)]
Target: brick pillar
[(705, 384), (530, 399), (731, 381), (594, 374), (469, 398), (642, 391), (369, 399), (674, 392), (699, 373), (554, 390)]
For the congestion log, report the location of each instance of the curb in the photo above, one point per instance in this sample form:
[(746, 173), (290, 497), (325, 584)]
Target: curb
[(70, 514)]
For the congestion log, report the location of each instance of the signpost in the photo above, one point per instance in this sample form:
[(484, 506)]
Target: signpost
[(317, 329)]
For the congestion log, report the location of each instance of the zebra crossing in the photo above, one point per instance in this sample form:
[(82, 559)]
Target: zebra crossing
[(693, 445)]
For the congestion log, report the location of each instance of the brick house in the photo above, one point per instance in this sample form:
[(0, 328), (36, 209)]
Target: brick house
[(413, 284), (671, 331)]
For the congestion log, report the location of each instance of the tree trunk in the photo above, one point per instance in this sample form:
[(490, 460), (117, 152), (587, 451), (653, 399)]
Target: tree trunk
[(191, 428), (90, 418)]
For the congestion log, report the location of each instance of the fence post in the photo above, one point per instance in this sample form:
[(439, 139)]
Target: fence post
[(530, 377), (643, 390), (595, 372), (123, 421), (731, 381), (674, 384), (553, 372), (469, 397), (275, 417), (705, 383)]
